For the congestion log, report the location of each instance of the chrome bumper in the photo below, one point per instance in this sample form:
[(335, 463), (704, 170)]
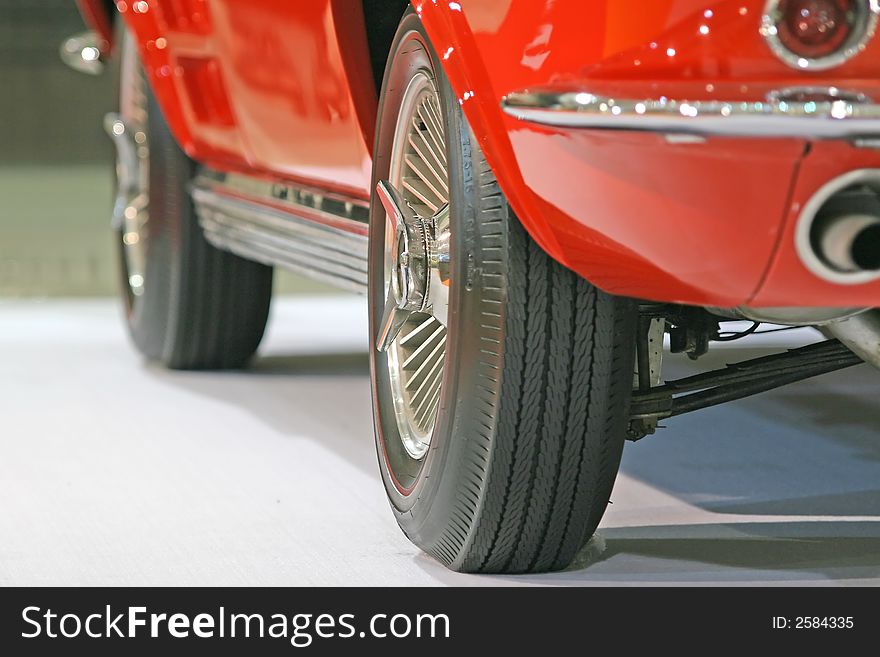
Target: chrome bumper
[(776, 117)]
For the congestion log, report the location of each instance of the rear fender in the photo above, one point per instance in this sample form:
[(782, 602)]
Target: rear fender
[(456, 46)]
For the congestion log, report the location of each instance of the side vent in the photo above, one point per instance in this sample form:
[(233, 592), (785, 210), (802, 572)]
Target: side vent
[(206, 91)]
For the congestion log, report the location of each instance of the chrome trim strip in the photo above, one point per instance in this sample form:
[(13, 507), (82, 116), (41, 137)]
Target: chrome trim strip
[(857, 42), (776, 117), (331, 206), (318, 244)]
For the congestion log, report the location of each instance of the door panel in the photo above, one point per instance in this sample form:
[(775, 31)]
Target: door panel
[(289, 87), (282, 87)]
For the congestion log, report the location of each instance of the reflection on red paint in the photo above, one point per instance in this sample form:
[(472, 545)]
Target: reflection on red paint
[(205, 90), (693, 223)]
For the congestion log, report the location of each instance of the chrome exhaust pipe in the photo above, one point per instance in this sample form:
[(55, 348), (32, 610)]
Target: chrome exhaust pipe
[(861, 334), (847, 232), (838, 234)]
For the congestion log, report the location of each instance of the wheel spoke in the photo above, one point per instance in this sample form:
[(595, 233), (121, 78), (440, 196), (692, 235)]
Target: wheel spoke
[(422, 348), (416, 331), (433, 116), (434, 142), (424, 409), (429, 365), (433, 111), (421, 147), (434, 131), (392, 202), (421, 192), (428, 176), (417, 261), (393, 319), (427, 389), (435, 401)]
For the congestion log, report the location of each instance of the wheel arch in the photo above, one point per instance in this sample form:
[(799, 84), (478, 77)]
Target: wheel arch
[(462, 59), (451, 37), (381, 18)]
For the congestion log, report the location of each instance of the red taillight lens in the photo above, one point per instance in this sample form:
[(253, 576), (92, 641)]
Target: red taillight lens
[(819, 34), (817, 28)]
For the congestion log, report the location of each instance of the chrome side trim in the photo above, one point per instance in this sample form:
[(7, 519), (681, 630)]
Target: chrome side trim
[(868, 19), (330, 205), (776, 117), (82, 52), (318, 244)]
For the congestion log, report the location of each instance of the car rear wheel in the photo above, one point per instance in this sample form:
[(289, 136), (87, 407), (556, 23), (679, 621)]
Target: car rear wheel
[(501, 380), (187, 304)]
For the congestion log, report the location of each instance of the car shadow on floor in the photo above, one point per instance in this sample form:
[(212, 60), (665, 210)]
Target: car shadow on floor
[(322, 397), (808, 450), (759, 552), (330, 364)]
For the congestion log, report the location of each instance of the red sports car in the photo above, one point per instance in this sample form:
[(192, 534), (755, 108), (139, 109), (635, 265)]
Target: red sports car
[(532, 193)]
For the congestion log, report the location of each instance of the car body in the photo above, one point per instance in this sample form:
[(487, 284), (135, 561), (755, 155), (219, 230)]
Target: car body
[(707, 222), (532, 194)]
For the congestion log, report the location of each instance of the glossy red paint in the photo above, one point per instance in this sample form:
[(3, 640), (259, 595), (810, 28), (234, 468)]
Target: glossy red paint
[(701, 229), (788, 281), (299, 108), (706, 224), (292, 91), (691, 223)]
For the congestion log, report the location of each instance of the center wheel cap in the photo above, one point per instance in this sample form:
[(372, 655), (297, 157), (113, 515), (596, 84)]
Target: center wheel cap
[(421, 257), (410, 280)]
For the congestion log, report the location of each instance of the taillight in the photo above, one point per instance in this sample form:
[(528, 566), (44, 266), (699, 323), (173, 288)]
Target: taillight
[(816, 28), (819, 34)]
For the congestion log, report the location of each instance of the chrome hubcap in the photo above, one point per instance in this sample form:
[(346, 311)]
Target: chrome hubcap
[(412, 331), (128, 130)]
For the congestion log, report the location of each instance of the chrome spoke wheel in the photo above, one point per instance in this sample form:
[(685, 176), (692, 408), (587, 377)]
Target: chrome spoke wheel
[(412, 330), (128, 130)]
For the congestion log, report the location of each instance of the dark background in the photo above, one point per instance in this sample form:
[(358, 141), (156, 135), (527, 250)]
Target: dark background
[(56, 163), (48, 113)]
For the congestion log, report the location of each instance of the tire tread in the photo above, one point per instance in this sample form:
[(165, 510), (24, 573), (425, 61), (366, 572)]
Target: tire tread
[(561, 404), (208, 308)]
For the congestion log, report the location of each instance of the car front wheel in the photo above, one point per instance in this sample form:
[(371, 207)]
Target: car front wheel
[(501, 380)]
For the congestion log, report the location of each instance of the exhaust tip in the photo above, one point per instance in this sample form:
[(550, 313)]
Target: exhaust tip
[(838, 234), (866, 248)]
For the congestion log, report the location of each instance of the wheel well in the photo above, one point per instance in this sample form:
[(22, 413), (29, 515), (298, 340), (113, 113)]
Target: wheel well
[(381, 18)]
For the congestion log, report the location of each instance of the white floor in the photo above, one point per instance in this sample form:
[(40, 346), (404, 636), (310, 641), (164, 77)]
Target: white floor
[(115, 472)]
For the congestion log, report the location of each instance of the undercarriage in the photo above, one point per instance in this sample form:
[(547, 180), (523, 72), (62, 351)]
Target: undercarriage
[(853, 340)]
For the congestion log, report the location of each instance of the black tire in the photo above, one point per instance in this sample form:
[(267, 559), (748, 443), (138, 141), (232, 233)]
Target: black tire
[(537, 379), (201, 308)]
